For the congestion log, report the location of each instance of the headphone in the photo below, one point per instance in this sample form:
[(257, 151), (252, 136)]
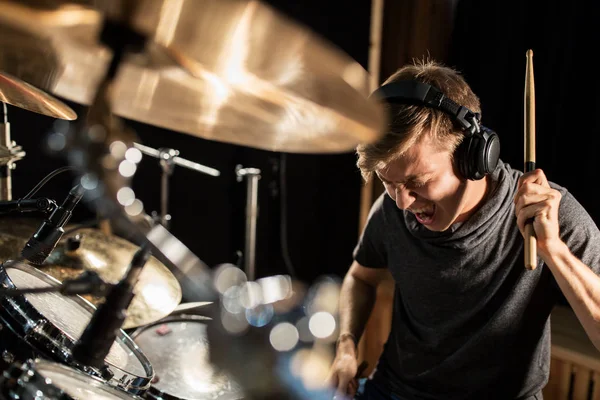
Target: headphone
[(479, 152)]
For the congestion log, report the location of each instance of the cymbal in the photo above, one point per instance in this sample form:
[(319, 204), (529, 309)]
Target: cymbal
[(20, 94), (157, 292), (230, 71)]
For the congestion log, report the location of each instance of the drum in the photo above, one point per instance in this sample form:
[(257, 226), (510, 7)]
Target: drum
[(43, 379), (177, 347), (48, 325)]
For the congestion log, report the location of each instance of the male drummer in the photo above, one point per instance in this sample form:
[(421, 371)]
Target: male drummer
[(469, 320)]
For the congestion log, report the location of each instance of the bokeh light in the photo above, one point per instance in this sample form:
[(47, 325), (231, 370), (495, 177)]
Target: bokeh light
[(284, 336)]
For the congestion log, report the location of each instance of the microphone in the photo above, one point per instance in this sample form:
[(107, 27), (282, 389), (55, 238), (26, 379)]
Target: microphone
[(44, 240), (101, 332)]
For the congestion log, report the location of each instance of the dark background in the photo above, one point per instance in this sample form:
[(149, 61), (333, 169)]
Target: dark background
[(487, 42)]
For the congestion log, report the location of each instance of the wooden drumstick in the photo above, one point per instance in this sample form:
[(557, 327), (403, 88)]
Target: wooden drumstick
[(530, 240)]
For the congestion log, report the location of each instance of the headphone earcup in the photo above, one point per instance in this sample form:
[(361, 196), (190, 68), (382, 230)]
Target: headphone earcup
[(478, 154), (462, 157)]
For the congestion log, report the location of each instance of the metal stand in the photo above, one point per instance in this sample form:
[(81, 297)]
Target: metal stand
[(252, 176), (168, 159), (167, 165), (9, 154)]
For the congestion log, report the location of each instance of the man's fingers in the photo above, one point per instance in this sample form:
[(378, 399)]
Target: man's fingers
[(535, 176), (352, 387), (342, 387), (529, 199)]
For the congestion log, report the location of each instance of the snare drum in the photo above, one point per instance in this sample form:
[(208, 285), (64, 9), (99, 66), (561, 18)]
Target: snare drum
[(177, 347), (48, 325), (42, 379)]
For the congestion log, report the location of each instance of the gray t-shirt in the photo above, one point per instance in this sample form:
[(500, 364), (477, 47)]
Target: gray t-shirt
[(469, 321)]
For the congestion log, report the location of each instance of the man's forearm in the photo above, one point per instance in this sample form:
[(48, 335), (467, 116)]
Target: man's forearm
[(580, 286), (356, 302)]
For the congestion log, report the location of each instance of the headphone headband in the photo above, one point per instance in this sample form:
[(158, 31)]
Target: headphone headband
[(418, 92)]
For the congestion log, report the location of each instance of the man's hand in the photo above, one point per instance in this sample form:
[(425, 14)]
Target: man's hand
[(536, 200), (342, 375)]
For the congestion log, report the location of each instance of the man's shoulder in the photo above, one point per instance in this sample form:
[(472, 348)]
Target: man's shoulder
[(381, 205), (382, 210)]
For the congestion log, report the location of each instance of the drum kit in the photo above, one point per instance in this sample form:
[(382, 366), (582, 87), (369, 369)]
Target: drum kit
[(88, 314)]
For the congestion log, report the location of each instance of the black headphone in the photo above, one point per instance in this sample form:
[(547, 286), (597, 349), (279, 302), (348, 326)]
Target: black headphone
[(479, 152)]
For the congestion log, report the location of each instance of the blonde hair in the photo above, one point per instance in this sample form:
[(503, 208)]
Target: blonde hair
[(408, 123)]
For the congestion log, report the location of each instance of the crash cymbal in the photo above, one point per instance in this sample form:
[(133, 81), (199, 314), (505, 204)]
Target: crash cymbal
[(230, 71), (157, 292), (20, 94)]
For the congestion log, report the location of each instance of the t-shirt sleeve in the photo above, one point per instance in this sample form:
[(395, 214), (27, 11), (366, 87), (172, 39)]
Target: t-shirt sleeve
[(370, 250), (579, 231)]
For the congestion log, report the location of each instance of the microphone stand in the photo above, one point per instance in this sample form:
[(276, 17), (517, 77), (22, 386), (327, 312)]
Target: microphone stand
[(42, 204), (252, 175), (102, 330), (168, 159)]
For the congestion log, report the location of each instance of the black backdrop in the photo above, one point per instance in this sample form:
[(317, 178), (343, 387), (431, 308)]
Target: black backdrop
[(323, 191), (489, 45)]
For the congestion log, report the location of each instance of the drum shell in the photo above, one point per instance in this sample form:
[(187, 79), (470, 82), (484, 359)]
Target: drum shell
[(31, 381)]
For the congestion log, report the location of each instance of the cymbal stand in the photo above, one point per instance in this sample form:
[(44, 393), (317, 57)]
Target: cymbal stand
[(252, 176), (167, 165), (168, 159), (9, 154)]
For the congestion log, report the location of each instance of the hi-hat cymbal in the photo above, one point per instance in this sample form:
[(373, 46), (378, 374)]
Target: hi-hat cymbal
[(157, 292), (230, 71), (20, 94)]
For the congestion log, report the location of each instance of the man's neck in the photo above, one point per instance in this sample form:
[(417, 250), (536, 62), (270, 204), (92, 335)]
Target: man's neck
[(475, 195)]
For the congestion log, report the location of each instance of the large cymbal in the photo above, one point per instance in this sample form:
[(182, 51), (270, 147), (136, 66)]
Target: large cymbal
[(230, 71), (20, 94), (157, 292)]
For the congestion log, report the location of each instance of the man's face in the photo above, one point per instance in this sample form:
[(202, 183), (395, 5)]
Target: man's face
[(425, 183)]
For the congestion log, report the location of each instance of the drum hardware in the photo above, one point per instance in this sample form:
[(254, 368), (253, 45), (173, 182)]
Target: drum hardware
[(168, 159), (252, 176), (11, 153)]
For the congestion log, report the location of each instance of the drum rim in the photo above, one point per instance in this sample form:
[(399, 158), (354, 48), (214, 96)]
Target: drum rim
[(167, 319), (48, 341)]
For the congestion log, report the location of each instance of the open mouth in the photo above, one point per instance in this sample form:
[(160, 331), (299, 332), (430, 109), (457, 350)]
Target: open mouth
[(425, 216)]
